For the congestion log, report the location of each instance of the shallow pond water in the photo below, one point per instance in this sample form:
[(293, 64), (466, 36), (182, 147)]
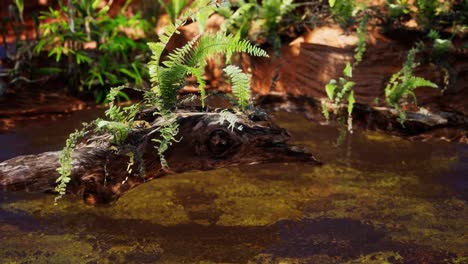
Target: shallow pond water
[(376, 199)]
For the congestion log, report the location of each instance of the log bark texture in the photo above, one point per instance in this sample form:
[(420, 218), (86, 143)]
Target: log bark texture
[(101, 174)]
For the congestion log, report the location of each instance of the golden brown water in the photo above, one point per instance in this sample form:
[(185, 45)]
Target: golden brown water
[(377, 199)]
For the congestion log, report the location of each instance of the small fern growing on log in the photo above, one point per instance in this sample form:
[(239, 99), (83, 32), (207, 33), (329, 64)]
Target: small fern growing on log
[(240, 85), (338, 92), (65, 161), (167, 77), (403, 83)]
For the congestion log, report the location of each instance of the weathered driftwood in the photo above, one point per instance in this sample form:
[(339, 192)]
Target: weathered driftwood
[(100, 173)]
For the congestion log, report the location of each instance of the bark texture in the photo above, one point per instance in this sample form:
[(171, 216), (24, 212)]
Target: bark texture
[(100, 170)]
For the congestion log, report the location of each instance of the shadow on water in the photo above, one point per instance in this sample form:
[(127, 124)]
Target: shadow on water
[(377, 199), (36, 136)]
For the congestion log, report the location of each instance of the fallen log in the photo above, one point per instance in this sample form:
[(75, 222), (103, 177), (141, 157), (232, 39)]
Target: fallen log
[(101, 171), (419, 125)]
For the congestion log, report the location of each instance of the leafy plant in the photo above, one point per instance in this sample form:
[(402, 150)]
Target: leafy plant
[(167, 77), (19, 65), (229, 117), (65, 161), (116, 58), (174, 8), (240, 85), (403, 83), (440, 45), (168, 131), (398, 8), (429, 14), (190, 60), (121, 119), (361, 33), (261, 22), (428, 10), (343, 11), (341, 91), (338, 92)]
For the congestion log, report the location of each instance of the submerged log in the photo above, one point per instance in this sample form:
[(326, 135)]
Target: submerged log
[(101, 172)]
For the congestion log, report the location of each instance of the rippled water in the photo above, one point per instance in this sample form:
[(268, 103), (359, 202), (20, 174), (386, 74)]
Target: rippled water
[(377, 198)]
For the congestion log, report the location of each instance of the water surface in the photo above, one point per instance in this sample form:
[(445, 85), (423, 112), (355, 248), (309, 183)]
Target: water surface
[(377, 199)]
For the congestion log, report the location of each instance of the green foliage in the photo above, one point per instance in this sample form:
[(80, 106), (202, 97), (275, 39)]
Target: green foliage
[(398, 8), (121, 119), (189, 60), (343, 11), (65, 161), (429, 14), (20, 5), (174, 8), (114, 59), (403, 83), (168, 130), (167, 77), (18, 66), (339, 92), (429, 9), (259, 21), (240, 85), (361, 43), (440, 46)]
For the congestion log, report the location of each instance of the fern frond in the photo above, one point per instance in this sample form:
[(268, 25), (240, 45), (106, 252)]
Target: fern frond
[(179, 55), (361, 44), (416, 82), (403, 83), (198, 74), (172, 79), (65, 161), (240, 85), (168, 131), (231, 118), (211, 44)]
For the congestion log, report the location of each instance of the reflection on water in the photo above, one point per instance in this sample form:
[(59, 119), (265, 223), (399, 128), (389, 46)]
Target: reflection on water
[(377, 199), (36, 136)]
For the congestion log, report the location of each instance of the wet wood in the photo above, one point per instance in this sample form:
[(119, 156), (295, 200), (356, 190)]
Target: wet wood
[(101, 172)]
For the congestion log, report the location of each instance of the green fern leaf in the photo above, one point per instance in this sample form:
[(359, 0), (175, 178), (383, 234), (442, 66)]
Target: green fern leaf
[(240, 85), (330, 89), (416, 82), (198, 74)]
